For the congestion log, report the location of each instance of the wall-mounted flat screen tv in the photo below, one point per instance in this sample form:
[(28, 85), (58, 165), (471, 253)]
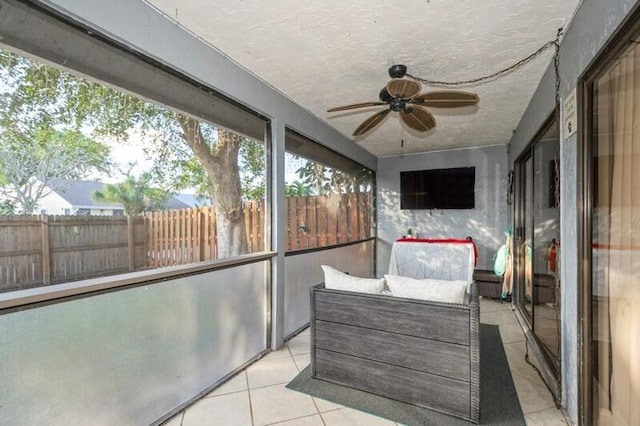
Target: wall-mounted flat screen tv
[(438, 188)]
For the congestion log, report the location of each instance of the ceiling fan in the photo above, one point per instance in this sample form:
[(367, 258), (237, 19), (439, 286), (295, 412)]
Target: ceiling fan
[(404, 96)]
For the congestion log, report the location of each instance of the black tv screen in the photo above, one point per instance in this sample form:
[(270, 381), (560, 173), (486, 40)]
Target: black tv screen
[(438, 188)]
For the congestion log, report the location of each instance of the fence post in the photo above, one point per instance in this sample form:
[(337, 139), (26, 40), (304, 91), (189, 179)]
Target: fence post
[(46, 254), (132, 254)]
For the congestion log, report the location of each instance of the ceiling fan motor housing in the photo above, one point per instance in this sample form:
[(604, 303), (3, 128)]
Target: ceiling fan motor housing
[(398, 104)]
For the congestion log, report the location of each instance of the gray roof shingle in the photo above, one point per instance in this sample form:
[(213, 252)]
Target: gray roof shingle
[(79, 193)]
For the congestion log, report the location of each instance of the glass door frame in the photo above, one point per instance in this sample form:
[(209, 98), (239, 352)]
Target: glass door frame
[(519, 236)]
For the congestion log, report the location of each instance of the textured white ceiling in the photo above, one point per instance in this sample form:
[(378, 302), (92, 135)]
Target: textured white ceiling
[(328, 53)]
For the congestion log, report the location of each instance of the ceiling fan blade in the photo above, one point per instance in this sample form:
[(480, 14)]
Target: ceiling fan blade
[(446, 99), (354, 106), (418, 118), (402, 88), (371, 122)]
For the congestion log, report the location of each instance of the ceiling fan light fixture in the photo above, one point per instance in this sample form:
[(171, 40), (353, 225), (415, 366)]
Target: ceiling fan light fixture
[(397, 71), (384, 95)]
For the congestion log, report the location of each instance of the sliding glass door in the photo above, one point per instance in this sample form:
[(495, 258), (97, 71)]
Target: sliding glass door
[(546, 236), (537, 242), (614, 93)]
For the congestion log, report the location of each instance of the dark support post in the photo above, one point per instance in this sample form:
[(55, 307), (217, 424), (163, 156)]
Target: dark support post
[(130, 246), (46, 254), (202, 234)]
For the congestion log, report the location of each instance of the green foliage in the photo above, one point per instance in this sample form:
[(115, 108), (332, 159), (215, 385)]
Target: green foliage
[(39, 140), (297, 189), (135, 194), (252, 170), (188, 174), (37, 93), (33, 159), (7, 208), (326, 180), (185, 150), (313, 175)]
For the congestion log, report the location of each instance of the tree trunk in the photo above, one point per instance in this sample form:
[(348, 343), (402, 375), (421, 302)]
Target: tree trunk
[(221, 165), (227, 194)]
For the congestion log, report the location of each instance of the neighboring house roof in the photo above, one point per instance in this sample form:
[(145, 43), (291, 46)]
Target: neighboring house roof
[(79, 193), (174, 203), (192, 200)]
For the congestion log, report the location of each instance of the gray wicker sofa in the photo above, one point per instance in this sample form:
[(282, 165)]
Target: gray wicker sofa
[(419, 352)]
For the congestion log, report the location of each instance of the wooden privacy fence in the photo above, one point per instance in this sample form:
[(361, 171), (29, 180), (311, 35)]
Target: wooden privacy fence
[(317, 221), (185, 236), (180, 236), (41, 250), (177, 237)]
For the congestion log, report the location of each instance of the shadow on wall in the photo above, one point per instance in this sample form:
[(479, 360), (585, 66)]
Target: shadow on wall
[(435, 224), (486, 223)]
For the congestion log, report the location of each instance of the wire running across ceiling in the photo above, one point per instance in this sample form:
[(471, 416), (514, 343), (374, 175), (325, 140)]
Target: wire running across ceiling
[(501, 73)]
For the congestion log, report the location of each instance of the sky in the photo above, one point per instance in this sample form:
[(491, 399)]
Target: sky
[(123, 153)]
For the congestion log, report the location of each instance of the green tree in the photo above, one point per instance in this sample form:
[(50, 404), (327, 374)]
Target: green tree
[(297, 189), (252, 163), (325, 180), (33, 160), (189, 173), (314, 175), (136, 194), (35, 92)]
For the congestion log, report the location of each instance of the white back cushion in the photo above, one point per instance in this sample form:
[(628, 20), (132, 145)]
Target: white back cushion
[(440, 261), (427, 289)]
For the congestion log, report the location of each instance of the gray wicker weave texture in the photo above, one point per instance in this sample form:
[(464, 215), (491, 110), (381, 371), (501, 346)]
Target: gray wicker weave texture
[(414, 351)]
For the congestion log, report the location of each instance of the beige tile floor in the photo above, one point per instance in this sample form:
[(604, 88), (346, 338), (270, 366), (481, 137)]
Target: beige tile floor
[(257, 395)]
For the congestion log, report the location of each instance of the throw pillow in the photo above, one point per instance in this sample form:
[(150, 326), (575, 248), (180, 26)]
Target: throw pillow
[(337, 280)]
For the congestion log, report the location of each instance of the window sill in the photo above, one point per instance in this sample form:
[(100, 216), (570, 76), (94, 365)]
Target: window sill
[(19, 298)]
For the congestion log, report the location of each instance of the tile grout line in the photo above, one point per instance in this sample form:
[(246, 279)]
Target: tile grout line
[(312, 399), (545, 409), (222, 394), (334, 409), (322, 418), (317, 409), (292, 357), (518, 370), (274, 384), (271, 385), (288, 420), (246, 378), (515, 370)]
